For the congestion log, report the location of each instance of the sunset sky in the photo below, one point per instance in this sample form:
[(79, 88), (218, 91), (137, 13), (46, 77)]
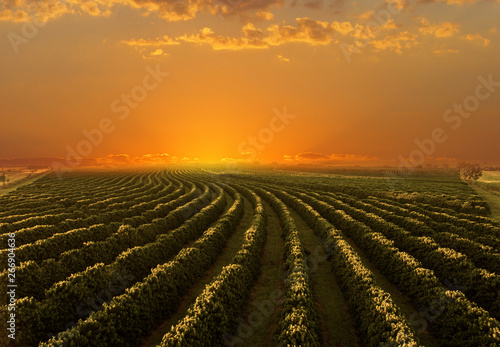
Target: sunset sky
[(309, 80)]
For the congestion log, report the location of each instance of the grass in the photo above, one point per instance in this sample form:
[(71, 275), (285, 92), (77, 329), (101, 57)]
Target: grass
[(23, 183), (490, 180), (492, 198), (492, 177)]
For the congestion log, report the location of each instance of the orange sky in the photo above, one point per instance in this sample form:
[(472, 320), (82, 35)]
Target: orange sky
[(360, 81)]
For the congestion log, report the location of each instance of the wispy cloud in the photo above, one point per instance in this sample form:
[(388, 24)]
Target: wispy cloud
[(328, 158), (163, 41), (445, 29), (282, 58), (477, 37), (252, 39), (396, 42)]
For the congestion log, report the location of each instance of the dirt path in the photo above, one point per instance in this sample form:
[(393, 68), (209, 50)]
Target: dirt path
[(337, 322), (493, 201), (263, 304)]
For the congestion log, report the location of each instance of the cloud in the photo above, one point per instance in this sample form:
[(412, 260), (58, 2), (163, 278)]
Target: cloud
[(460, 2), (146, 159), (398, 4), (477, 37), (365, 15), (45, 10), (313, 4), (92, 8), (150, 48), (252, 39), (390, 25), (445, 51), (110, 160), (164, 41), (170, 10), (343, 28), (310, 32), (307, 30), (445, 29), (154, 54), (117, 158), (14, 16), (282, 58), (447, 2), (311, 156), (158, 158), (177, 10), (395, 42), (157, 52), (265, 15), (326, 159), (33, 10)]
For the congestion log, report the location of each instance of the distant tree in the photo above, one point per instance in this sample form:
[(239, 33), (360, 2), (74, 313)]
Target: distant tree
[(469, 172), (3, 178)]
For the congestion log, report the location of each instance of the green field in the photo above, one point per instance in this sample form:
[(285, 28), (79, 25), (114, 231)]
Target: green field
[(490, 180), (17, 176), (185, 256), (488, 187)]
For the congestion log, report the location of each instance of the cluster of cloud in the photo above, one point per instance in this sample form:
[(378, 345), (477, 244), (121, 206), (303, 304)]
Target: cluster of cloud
[(146, 159), (170, 10), (477, 37), (319, 159), (252, 38), (45, 10), (445, 29), (282, 58), (388, 36), (395, 42), (151, 48), (110, 160), (306, 30), (328, 159), (180, 10)]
